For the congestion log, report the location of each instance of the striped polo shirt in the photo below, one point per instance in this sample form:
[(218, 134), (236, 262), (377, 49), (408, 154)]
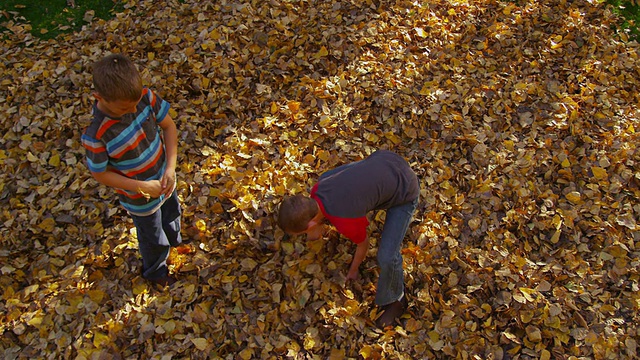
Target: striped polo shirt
[(131, 146)]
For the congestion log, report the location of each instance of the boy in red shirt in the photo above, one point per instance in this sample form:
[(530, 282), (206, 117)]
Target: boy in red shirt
[(343, 197)]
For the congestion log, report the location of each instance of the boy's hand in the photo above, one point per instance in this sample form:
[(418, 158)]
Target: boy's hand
[(168, 182), (352, 275), (151, 189), (358, 257)]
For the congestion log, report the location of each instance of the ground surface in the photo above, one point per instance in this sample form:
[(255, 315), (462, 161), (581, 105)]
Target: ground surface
[(520, 120)]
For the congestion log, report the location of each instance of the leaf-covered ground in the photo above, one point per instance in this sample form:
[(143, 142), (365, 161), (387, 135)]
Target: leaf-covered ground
[(519, 118)]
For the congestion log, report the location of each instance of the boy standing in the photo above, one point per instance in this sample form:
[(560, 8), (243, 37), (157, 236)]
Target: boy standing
[(126, 151), (343, 196)]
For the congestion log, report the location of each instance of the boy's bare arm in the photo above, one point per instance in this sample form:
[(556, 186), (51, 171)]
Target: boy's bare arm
[(358, 257), (152, 188), (170, 133)]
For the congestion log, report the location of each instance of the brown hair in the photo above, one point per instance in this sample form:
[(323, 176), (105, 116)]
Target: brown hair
[(115, 77), (296, 212)]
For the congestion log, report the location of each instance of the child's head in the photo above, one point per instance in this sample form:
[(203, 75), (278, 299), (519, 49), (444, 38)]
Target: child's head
[(116, 78), (296, 213)]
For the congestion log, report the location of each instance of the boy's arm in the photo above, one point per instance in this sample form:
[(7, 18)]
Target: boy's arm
[(358, 257), (115, 180), (170, 134)]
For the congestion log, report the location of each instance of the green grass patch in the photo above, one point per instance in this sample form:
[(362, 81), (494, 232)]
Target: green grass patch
[(51, 18), (630, 13)]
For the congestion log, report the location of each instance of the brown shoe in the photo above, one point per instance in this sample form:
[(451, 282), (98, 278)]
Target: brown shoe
[(392, 312), (164, 281)]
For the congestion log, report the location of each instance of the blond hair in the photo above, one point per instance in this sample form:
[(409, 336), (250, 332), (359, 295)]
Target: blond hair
[(296, 212), (115, 77)]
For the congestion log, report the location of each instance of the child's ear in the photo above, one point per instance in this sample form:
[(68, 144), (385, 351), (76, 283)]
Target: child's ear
[(316, 220), (97, 95), (311, 224)]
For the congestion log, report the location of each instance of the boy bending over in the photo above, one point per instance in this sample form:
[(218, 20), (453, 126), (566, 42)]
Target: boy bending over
[(343, 196)]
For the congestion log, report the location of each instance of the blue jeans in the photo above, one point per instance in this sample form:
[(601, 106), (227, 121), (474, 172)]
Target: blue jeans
[(391, 280), (157, 233)]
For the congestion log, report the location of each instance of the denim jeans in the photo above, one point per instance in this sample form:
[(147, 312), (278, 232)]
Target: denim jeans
[(391, 280), (157, 233)]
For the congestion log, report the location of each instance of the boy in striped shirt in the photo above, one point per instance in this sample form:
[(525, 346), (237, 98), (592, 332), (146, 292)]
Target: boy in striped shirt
[(126, 150)]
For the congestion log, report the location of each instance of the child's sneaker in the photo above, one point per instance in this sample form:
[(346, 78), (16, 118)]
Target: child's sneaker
[(391, 312)]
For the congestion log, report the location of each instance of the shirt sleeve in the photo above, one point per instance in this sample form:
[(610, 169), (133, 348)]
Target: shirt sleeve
[(159, 107), (96, 154)]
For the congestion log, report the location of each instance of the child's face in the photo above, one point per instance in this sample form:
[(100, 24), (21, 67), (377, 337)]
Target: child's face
[(117, 108)]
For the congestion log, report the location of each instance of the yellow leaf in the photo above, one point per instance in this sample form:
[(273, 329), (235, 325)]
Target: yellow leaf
[(214, 34), (54, 160), (420, 32), (169, 326), (411, 132), (507, 10), (366, 352), (217, 208), (413, 325), (426, 88), (35, 321), (371, 137), (529, 294), (47, 224), (599, 173), (322, 52), (31, 157), (574, 197), (533, 333), (140, 287), (434, 335), (100, 339), (200, 343), (526, 316), (96, 295), (294, 106), (309, 343), (323, 155), (236, 175), (246, 354), (275, 292), (309, 159), (545, 355), (393, 137), (337, 354), (201, 225)]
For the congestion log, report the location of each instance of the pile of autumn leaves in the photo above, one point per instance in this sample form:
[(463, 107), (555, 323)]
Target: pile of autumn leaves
[(519, 118)]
